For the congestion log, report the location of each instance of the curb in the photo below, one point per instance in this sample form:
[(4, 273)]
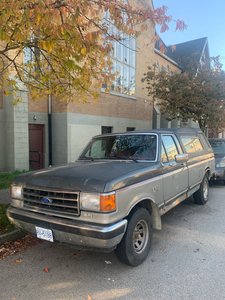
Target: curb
[(14, 235)]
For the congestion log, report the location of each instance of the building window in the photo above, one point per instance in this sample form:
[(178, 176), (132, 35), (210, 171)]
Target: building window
[(107, 129), (165, 69), (124, 60), (27, 55), (130, 128), (32, 55)]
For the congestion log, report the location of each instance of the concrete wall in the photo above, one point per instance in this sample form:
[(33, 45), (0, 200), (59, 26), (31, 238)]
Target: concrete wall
[(59, 138), (16, 133), (21, 133), (2, 141), (190, 123)]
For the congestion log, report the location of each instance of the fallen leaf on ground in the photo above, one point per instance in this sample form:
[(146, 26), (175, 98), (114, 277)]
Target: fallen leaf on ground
[(16, 246), (162, 249), (46, 270), (88, 297), (19, 260), (13, 263), (153, 260)]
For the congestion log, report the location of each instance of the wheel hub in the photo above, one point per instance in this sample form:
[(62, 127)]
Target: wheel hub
[(140, 236), (205, 190)]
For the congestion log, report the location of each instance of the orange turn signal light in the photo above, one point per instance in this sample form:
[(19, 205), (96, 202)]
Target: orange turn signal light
[(108, 202)]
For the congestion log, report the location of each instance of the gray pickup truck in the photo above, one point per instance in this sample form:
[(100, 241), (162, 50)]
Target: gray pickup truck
[(116, 192)]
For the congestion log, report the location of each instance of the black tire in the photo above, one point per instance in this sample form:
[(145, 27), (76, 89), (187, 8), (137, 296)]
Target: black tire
[(201, 196), (136, 243)]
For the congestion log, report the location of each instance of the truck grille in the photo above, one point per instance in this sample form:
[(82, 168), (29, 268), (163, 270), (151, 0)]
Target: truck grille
[(61, 203)]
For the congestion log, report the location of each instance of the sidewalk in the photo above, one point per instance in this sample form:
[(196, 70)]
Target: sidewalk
[(17, 233)]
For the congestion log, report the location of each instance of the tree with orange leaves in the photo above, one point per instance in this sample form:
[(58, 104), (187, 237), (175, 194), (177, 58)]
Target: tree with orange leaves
[(62, 47)]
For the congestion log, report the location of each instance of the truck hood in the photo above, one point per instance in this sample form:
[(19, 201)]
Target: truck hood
[(89, 176)]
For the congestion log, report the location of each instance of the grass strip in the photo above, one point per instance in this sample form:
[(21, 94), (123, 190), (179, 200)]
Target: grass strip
[(7, 178), (5, 225)]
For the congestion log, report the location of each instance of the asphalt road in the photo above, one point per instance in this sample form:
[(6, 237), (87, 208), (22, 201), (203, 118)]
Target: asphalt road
[(187, 261)]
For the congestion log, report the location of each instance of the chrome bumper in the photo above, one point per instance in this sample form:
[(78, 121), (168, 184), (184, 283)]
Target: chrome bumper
[(70, 232)]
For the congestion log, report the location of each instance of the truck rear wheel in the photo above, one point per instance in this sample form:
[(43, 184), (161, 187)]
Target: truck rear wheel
[(201, 196), (136, 243)]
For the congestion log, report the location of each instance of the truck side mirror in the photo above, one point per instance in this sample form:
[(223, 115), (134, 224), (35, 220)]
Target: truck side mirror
[(181, 158)]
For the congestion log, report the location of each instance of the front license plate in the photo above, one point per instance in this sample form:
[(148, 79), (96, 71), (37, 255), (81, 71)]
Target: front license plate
[(44, 234)]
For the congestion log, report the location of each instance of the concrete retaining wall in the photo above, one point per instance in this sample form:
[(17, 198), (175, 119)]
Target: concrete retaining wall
[(2, 142)]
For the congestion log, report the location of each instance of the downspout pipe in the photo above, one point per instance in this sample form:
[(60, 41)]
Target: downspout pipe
[(50, 130)]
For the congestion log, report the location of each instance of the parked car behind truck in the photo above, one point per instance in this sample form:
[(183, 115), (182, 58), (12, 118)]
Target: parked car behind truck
[(218, 146), (116, 192)]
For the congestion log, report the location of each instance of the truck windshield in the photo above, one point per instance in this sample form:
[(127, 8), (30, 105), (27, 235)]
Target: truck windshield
[(134, 147)]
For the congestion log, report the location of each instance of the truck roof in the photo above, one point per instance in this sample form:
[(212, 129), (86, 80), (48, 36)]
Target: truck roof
[(181, 130)]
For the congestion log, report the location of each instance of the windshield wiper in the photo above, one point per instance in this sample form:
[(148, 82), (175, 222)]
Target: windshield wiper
[(87, 158), (135, 160), (126, 157)]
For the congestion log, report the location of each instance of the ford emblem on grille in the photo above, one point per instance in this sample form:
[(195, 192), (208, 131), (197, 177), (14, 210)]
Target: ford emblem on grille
[(46, 200)]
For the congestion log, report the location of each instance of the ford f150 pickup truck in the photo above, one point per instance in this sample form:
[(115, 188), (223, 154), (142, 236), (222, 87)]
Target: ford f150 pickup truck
[(116, 192)]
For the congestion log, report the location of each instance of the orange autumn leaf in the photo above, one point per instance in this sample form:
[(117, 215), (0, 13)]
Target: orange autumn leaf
[(46, 270)]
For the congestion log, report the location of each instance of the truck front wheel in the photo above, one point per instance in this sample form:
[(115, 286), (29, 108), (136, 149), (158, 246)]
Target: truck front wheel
[(136, 243), (201, 196)]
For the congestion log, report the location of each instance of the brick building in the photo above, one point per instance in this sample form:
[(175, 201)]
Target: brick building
[(51, 132)]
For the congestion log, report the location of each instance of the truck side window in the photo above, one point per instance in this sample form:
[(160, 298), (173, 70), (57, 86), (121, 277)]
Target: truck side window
[(178, 144), (192, 144), (207, 144), (164, 158), (170, 147)]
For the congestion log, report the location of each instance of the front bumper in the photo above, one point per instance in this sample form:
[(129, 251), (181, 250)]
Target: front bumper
[(70, 232)]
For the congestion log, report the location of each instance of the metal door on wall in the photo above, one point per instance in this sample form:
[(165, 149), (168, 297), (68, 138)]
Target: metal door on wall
[(36, 146)]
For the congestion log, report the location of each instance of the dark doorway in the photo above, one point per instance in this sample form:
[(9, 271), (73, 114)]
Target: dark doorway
[(36, 146)]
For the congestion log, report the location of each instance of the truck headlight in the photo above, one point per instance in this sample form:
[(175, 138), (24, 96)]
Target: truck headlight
[(16, 192), (221, 164), (98, 202)]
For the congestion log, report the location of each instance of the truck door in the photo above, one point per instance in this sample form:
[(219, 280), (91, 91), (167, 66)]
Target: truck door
[(196, 161), (175, 175)]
